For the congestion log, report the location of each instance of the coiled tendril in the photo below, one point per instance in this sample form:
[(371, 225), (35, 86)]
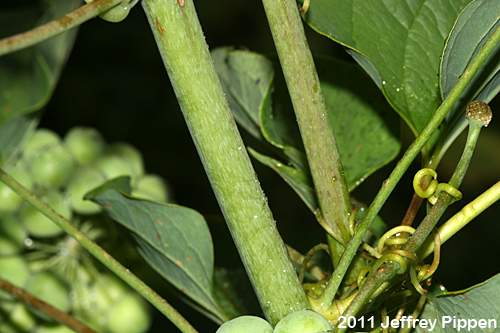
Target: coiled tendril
[(432, 190)]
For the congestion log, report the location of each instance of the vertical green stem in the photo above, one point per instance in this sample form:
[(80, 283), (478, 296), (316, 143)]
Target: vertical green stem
[(309, 105), (95, 250), (390, 183), (182, 46)]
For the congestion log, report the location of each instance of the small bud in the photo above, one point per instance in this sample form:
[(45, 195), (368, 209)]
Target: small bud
[(480, 112)]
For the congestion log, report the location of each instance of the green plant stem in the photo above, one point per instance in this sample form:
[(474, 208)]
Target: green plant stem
[(100, 254), (464, 216), (182, 46), (389, 269), (444, 199), (390, 183), (49, 310), (312, 115), (55, 27)]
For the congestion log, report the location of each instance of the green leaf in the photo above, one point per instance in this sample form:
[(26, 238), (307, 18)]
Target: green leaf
[(247, 79), (479, 302), (28, 77), (298, 180), (174, 240), (361, 119), (402, 39), (476, 22), (12, 134)]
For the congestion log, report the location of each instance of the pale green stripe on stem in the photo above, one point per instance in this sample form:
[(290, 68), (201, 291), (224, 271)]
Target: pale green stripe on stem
[(464, 216)]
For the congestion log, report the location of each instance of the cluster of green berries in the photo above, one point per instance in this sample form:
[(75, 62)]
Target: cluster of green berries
[(303, 321), (102, 302), (61, 171)]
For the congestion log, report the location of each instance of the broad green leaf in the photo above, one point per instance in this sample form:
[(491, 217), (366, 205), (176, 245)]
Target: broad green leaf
[(28, 77), (402, 39), (477, 21), (479, 302), (13, 132), (361, 119), (247, 79), (174, 240)]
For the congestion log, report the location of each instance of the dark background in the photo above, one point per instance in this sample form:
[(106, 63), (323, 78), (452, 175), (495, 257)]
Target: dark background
[(115, 81)]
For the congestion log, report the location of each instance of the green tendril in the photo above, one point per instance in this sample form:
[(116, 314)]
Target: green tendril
[(444, 187), (305, 7), (419, 179), (308, 257), (415, 282), (431, 192), (393, 232)]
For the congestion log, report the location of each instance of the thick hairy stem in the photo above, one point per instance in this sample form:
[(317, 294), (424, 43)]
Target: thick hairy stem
[(309, 105), (182, 46), (55, 27), (390, 183), (95, 250)]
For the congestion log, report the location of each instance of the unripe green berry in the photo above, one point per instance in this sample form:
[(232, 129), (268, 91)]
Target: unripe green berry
[(52, 167), (9, 200), (303, 321), (113, 166), (109, 287), (39, 225), (84, 180), (129, 315), (246, 324), (15, 270), (150, 187), (22, 319), (39, 141), (12, 228), (84, 143), (7, 246), (48, 288), (130, 154), (102, 295)]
